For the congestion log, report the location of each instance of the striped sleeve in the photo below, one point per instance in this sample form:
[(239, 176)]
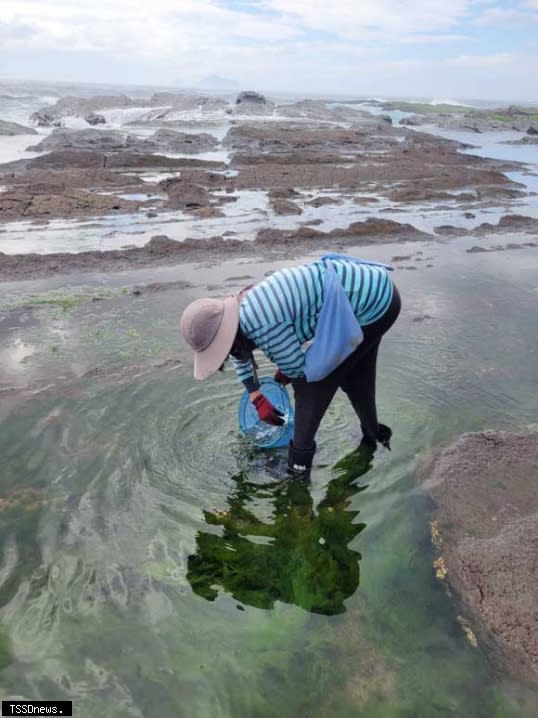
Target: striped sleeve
[(244, 372), (281, 344)]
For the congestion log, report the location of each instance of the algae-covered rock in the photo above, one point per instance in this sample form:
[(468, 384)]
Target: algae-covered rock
[(485, 486)]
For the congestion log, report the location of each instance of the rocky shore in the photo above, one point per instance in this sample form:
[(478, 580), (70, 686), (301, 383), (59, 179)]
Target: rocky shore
[(163, 140), (314, 156), (485, 489), (161, 249)]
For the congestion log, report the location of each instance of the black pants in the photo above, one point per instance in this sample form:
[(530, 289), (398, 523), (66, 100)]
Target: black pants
[(356, 376)]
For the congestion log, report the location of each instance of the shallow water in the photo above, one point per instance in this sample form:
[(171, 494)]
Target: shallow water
[(490, 144), (153, 561), (243, 218), (395, 115), (14, 148)]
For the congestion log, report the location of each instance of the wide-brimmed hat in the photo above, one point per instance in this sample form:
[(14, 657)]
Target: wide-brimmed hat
[(209, 326)]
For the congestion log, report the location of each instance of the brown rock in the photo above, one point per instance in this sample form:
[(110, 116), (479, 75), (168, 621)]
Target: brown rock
[(272, 236), (284, 193), (201, 178), (185, 195), (162, 244), (69, 159), (93, 118), (282, 206), (276, 137), (167, 140), (208, 213), (13, 128), (74, 203), (423, 194), (485, 486), (381, 229), (324, 201), (448, 230), (378, 228), (86, 139), (510, 222)]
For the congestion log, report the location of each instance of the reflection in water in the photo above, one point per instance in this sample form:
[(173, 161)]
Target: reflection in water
[(299, 556)]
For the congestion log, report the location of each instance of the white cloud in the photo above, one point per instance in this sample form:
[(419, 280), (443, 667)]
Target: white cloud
[(476, 61), (433, 38), (162, 29), (353, 17), (121, 27), (502, 16), (313, 46)]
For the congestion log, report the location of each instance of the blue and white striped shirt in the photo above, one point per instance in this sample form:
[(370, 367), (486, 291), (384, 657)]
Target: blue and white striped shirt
[(280, 314)]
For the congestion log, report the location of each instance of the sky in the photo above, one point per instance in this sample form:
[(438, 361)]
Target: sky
[(444, 49)]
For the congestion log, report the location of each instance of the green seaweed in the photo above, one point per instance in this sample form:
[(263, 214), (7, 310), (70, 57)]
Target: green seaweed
[(305, 559), (63, 300), (502, 117), (427, 108)]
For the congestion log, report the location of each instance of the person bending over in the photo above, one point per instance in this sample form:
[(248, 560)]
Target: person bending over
[(280, 314)]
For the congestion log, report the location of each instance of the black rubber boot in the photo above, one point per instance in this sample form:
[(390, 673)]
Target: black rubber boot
[(382, 435), (300, 461)]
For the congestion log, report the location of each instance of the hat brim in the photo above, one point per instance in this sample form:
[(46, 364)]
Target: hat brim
[(211, 359)]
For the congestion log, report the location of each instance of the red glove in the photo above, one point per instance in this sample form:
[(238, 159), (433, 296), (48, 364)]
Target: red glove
[(281, 378), (267, 412)]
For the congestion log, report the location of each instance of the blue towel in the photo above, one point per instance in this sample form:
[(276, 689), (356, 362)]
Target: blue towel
[(338, 331)]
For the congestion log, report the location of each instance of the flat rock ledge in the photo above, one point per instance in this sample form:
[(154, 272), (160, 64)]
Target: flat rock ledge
[(485, 489)]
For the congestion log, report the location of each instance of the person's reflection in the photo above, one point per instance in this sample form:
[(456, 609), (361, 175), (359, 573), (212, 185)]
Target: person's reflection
[(299, 556)]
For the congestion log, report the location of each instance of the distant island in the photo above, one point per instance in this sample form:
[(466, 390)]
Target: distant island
[(215, 82)]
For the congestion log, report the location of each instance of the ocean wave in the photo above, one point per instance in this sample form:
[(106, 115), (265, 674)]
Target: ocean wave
[(8, 96), (74, 122), (124, 115), (448, 102), (49, 99), (198, 114)]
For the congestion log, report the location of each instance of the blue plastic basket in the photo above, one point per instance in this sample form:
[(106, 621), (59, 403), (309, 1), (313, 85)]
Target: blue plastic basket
[(259, 432)]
